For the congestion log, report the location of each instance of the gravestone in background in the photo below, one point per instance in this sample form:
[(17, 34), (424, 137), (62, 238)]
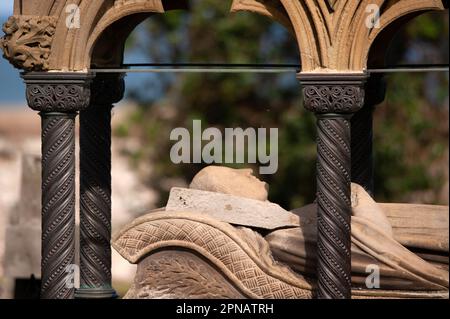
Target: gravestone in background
[(23, 232)]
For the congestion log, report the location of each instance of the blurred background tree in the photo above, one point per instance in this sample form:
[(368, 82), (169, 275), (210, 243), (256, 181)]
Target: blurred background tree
[(411, 126)]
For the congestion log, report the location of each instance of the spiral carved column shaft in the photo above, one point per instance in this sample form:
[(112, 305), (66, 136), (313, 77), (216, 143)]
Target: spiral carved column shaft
[(58, 204), (362, 134), (58, 97), (362, 149), (95, 199), (333, 98), (333, 199), (95, 188)]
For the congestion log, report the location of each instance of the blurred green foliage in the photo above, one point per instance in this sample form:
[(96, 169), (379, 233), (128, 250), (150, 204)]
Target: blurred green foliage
[(411, 126)]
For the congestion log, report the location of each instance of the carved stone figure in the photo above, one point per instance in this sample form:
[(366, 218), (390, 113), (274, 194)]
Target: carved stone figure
[(239, 182), (214, 259)]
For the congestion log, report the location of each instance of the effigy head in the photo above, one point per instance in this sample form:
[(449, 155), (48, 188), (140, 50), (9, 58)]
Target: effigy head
[(237, 182)]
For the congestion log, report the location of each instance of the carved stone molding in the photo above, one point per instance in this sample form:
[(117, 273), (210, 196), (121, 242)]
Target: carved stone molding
[(28, 40), (150, 3), (58, 92), (331, 35), (240, 255), (195, 277), (328, 93), (333, 99), (273, 9), (338, 34), (188, 255)]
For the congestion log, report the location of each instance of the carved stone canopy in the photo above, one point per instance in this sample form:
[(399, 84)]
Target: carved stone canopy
[(332, 35)]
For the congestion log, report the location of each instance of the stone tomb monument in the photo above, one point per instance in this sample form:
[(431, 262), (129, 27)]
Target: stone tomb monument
[(217, 240)]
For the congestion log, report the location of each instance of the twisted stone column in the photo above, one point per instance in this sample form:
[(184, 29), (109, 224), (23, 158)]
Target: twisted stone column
[(95, 188), (362, 134), (333, 98), (58, 97)]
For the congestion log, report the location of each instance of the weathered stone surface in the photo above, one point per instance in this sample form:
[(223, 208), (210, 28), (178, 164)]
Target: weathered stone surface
[(23, 233), (420, 226), (190, 212), (238, 182), (99, 40), (241, 257), (400, 268), (407, 265), (29, 208), (364, 206), (195, 278), (23, 251), (27, 41), (232, 209)]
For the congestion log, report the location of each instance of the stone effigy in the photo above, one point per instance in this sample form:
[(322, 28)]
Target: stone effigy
[(238, 182), (338, 43), (185, 252)]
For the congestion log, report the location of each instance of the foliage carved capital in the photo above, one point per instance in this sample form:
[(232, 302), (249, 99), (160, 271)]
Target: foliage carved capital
[(27, 41)]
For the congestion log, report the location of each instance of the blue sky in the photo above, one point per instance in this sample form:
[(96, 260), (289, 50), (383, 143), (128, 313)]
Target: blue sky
[(6, 7), (11, 86)]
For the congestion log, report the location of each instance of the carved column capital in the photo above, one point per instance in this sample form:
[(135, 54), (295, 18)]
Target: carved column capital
[(28, 40), (375, 90), (333, 93), (57, 92), (107, 89)]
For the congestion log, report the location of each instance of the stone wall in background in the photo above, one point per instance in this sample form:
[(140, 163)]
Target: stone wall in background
[(22, 248)]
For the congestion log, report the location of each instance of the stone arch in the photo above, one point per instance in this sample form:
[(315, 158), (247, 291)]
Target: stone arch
[(382, 40), (331, 34), (120, 21), (105, 25)]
